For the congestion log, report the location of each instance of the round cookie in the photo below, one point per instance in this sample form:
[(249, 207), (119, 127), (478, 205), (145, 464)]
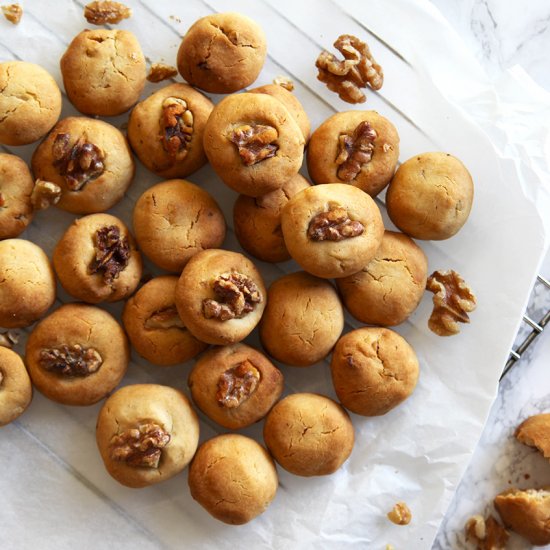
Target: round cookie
[(220, 296), (389, 288), (222, 53), (290, 101), (302, 321), (166, 130), (257, 221), (235, 386), (373, 370), (430, 196), (253, 143), (535, 432), (355, 147), (90, 160), (146, 433), (309, 434), (27, 283), (30, 102), (15, 386), (77, 355), (16, 185), (154, 327), (96, 259), (332, 230), (233, 478), (175, 219), (103, 71)]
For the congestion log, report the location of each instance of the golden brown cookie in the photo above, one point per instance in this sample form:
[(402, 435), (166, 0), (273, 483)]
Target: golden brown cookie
[(302, 321), (103, 71), (233, 478), (360, 148), (257, 221), (535, 432), (146, 433), (30, 102), (309, 434), (154, 327), (253, 143), (27, 283), (389, 288), (430, 196), (527, 513), (332, 230), (90, 160), (220, 296), (222, 53), (77, 355), (15, 386), (175, 219), (16, 185), (166, 130), (235, 386), (373, 370), (96, 259)]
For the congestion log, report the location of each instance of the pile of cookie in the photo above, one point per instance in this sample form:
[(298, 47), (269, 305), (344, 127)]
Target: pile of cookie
[(255, 141)]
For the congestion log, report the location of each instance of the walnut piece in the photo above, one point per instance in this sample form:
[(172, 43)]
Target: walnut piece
[(237, 384), (355, 150), (400, 514), (111, 253), (160, 71), (357, 70), (176, 125), (333, 225), (71, 361), (100, 13), (141, 446), (44, 194), (453, 299), (486, 534), (164, 319), (78, 164), (284, 82), (255, 142), (9, 339), (236, 296), (13, 13)]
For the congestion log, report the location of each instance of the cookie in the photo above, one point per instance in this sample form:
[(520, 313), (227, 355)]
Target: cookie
[(302, 321), (253, 143), (222, 53), (373, 370), (220, 296), (154, 327), (175, 219), (30, 102), (306, 442), (146, 433), (535, 432), (16, 185), (103, 71), (233, 478), (332, 230), (15, 386), (389, 288), (27, 283), (96, 260), (90, 160), (77, 355), (360, 148), (257, 221), (166, 130), (235, 386), (430, 196)]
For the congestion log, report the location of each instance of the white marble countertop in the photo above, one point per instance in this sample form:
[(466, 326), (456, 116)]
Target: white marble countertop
[(500, 39)]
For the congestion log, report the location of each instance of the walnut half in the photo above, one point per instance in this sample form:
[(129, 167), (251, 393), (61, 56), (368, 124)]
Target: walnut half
[(237, 384), (453, 300), (13, 13), (486, 534), (255, 142), (400, 514), (71, 361), (44, 194), (355, 150), (176, 125), (333, 225), (112, 253)]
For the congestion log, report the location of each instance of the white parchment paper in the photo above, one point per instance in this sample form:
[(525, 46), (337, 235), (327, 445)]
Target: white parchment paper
[(54, 491)]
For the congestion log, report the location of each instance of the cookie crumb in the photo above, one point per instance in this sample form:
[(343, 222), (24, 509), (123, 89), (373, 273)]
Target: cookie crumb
[(9, 339), (160, 71), (13, 13), (175, 18), (100, 13), (400, 514), (284, 82), (486, 534)]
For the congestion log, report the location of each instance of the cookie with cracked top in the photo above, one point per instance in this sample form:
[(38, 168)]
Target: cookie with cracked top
[(15, 386)]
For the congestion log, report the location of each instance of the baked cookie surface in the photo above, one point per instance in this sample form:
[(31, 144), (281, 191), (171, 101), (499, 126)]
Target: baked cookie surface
[(15, 386)]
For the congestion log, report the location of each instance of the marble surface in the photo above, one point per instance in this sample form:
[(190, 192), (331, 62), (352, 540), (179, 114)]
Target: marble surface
[(500, 39)]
